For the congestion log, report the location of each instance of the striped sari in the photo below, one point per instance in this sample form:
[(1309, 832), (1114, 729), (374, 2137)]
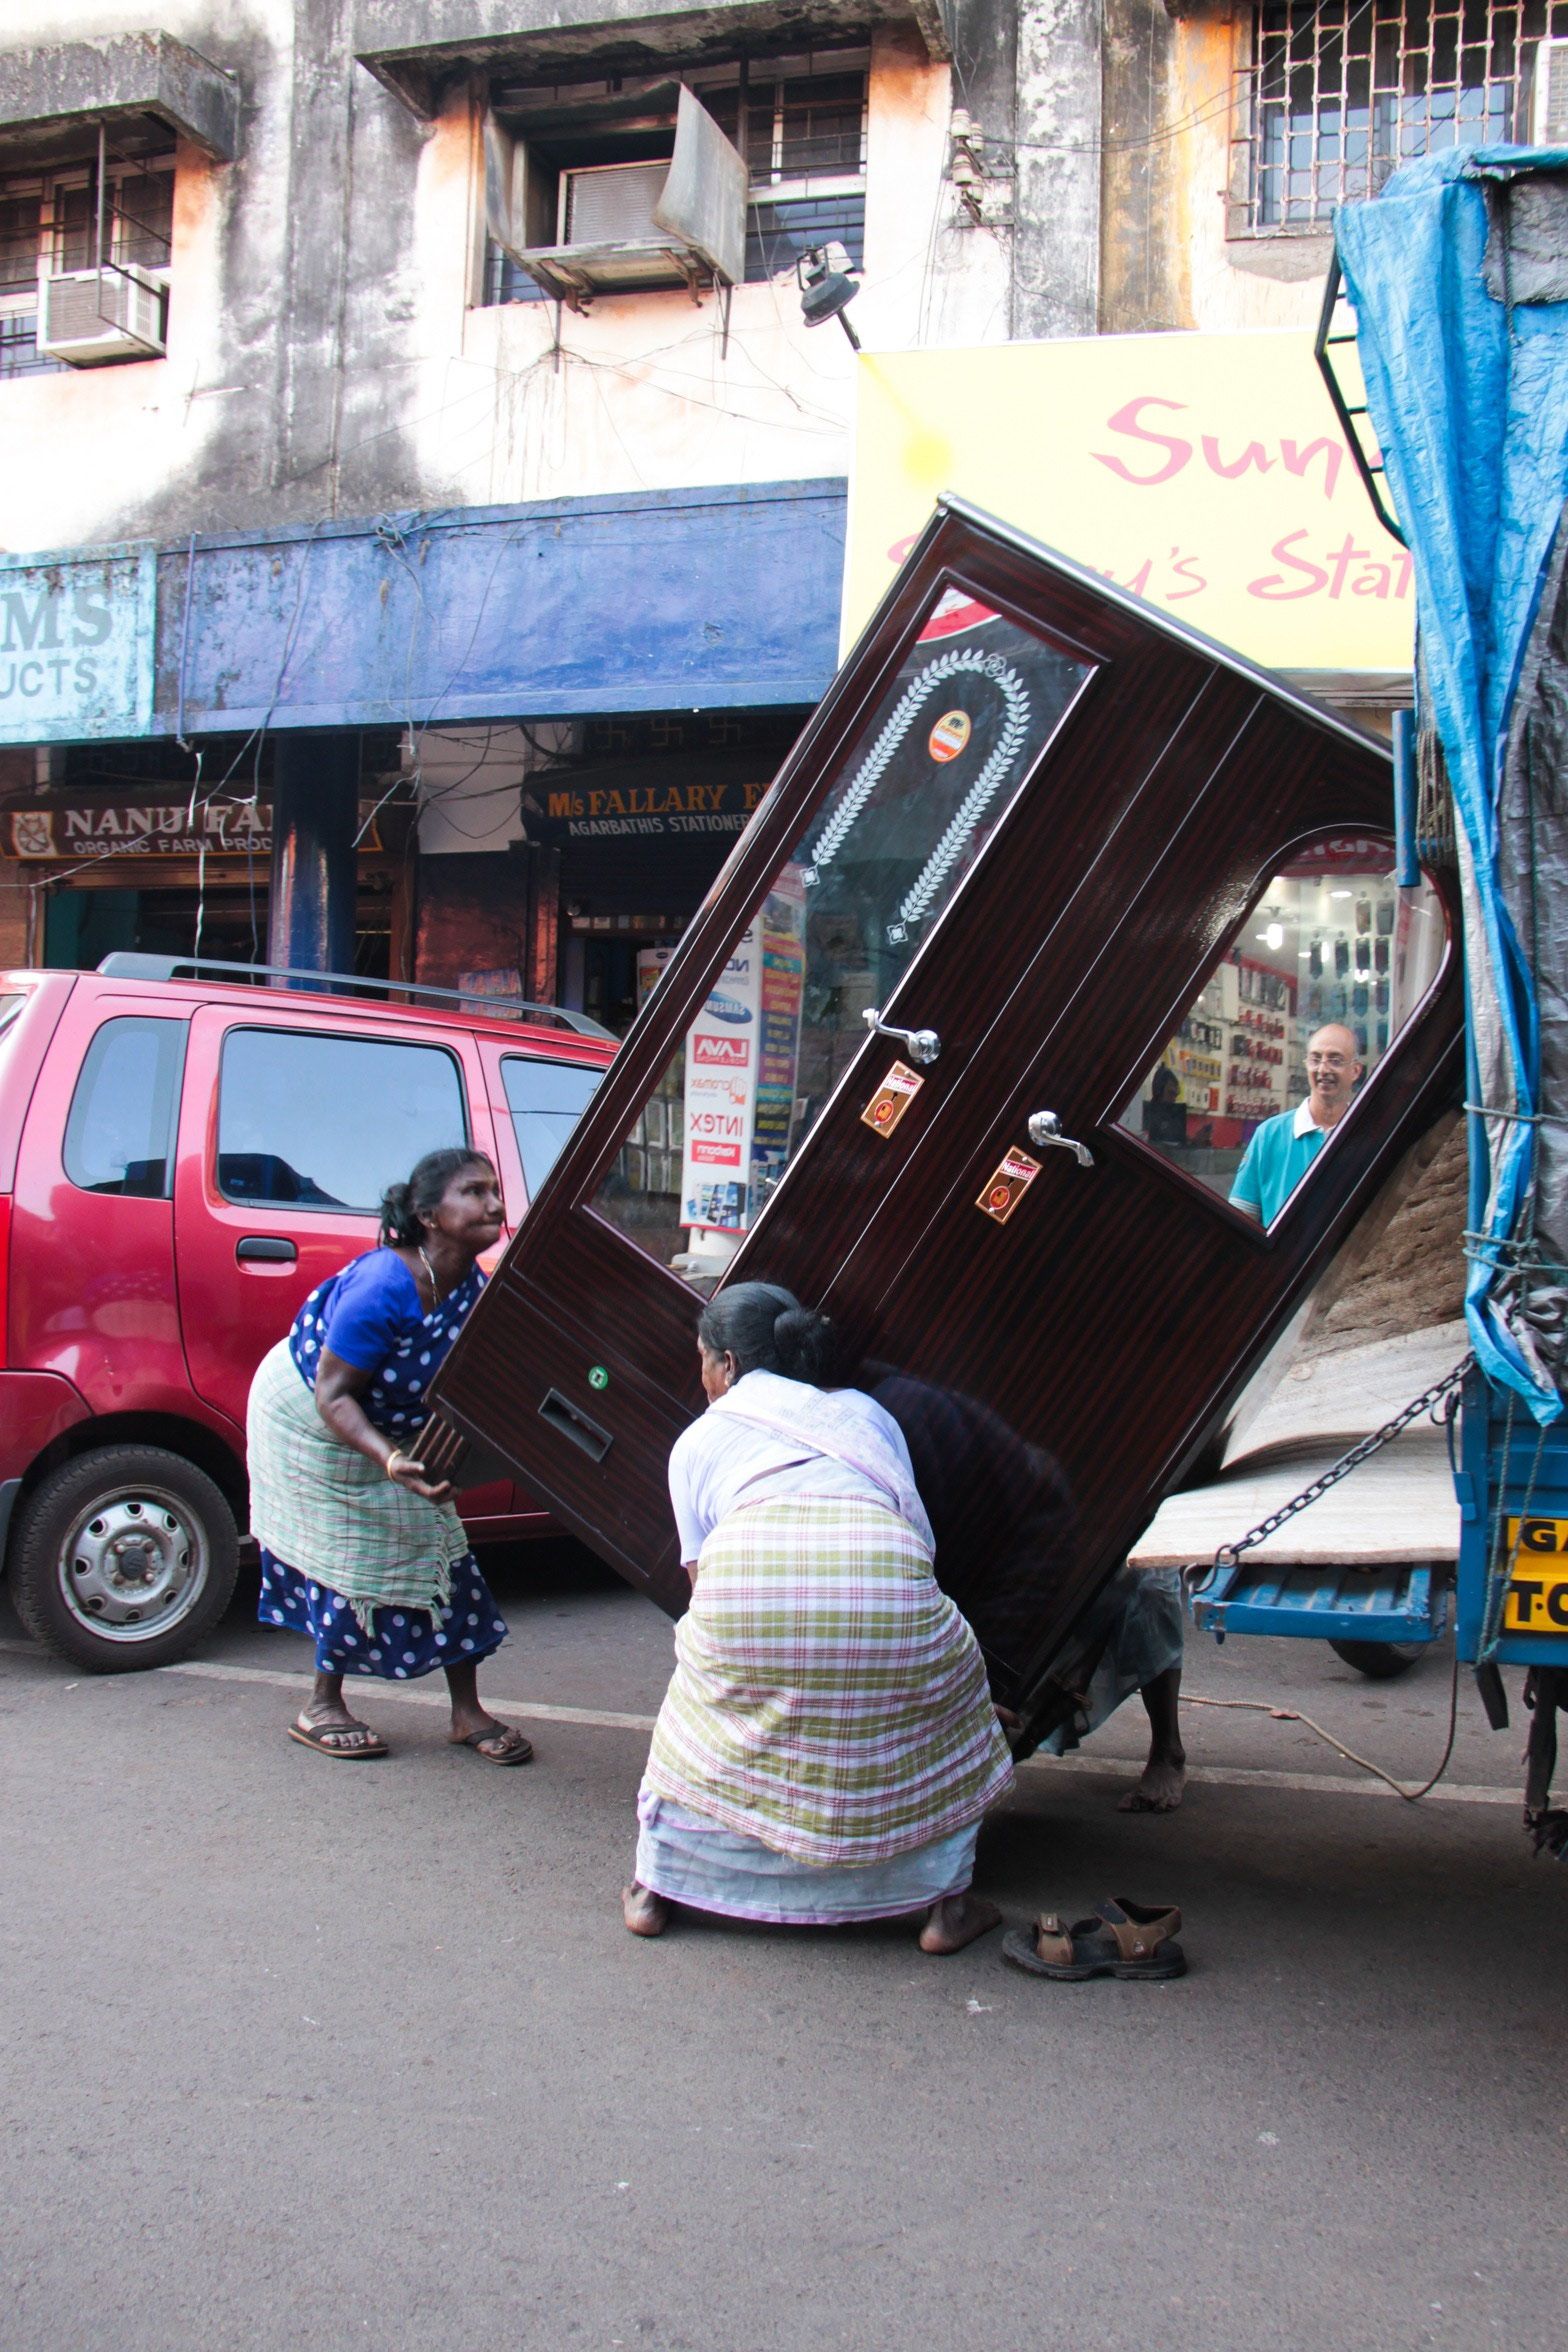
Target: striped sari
[(827, 1745)]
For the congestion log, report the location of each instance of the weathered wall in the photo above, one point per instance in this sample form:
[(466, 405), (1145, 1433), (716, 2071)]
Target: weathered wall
[(326, 356), (1056, 248), (1166, 258)]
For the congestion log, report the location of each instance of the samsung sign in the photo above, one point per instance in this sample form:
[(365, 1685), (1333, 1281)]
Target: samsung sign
[(76, 648)]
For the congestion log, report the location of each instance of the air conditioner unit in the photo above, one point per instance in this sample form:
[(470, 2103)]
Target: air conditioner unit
[(680, 220), (87, 317), (612, 203), (1549, 98)]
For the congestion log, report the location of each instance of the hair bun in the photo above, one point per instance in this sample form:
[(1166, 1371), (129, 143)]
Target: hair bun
[(805, 1343)]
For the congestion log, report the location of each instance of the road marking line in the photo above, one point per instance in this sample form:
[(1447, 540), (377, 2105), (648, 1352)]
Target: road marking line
[(1317, 1784)]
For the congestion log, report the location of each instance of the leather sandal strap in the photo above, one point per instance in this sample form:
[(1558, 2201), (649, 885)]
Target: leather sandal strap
[(1138, 1938), (1053, 1943)]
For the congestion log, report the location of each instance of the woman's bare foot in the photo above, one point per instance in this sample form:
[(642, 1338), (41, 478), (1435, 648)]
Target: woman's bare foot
[(1160, 1789), (644, 1912), (956, 1921)]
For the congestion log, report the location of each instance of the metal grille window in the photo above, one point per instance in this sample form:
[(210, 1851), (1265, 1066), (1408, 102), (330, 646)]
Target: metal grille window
[(1341, 92), (49, 224), (805, 146)]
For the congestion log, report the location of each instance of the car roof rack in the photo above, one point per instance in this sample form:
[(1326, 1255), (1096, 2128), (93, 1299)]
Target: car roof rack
[(126, 964)]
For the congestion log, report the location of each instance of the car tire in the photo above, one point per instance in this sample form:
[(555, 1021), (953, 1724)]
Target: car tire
[(123, 1558), (1380, 1661)]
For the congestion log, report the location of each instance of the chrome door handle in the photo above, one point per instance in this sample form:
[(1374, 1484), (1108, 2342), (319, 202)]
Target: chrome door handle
[(923, 1044), (1045, 1128)]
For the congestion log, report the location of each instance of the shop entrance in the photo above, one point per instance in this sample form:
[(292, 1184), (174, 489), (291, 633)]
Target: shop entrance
[(229, 923)]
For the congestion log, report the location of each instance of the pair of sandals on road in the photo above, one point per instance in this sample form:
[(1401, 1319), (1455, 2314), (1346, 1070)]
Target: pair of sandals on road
[(497, 1743), (1125, 1939)]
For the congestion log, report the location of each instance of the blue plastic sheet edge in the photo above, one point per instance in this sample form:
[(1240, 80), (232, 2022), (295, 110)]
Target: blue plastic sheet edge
[(1470, 405)]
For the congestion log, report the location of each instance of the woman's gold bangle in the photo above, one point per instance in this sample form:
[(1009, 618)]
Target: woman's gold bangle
[(392, 1461)]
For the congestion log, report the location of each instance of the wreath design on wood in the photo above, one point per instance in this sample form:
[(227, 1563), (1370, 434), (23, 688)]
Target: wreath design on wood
[(918, 899)]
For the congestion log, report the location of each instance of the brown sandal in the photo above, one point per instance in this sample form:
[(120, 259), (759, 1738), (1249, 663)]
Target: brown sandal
[(345, 1743), (518, 1750), (1125, 1939)]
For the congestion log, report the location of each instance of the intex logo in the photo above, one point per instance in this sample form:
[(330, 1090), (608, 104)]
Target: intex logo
[(733, 1053)]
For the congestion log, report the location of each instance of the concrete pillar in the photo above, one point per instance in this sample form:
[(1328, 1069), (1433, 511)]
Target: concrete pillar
[(1056, 244), (315, 813)]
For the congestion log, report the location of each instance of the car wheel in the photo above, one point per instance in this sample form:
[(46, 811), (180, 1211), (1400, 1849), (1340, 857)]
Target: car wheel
[(1380, 1661), (123, 1558)]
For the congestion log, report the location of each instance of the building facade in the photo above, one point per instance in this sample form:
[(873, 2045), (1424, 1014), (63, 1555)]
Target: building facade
[(425, 495)]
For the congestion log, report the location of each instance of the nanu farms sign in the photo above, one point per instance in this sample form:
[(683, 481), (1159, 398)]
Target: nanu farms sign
[(76, 648)]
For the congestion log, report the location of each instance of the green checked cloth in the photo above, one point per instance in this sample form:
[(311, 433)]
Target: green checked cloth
[(326, 1510), (828, 1698)]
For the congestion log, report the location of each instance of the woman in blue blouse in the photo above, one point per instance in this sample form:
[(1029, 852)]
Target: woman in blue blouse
[(358, 1549)]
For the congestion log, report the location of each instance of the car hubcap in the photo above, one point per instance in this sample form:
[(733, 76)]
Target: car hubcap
[(133, 1564)]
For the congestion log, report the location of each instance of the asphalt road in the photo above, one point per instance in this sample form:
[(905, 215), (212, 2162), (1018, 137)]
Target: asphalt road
[(301, 2057)]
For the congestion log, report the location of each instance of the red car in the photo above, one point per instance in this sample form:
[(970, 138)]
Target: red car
[(181, 1160)]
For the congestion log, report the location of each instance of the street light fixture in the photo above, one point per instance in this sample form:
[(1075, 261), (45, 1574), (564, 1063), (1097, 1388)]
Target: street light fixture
[(826, 289)]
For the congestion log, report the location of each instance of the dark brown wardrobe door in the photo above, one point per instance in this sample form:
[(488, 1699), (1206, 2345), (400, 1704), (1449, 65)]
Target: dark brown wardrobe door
[(1034, 819)]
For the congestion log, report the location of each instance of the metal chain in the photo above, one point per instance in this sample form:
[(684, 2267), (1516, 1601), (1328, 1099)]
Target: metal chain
[(1228, 1554)]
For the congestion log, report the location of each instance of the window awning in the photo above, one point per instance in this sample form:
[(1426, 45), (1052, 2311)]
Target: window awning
[(416, 46), (52, 86)]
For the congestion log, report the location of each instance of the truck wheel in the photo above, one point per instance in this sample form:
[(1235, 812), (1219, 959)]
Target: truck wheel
[(1380, 1661), (123, 1558)]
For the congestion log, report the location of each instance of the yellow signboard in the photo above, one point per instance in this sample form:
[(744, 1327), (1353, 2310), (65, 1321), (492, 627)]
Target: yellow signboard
[(1205, 473), (1537, 1601)]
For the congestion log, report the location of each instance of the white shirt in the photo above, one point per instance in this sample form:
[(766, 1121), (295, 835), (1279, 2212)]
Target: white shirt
[(720, 1455), (1304, 1123)]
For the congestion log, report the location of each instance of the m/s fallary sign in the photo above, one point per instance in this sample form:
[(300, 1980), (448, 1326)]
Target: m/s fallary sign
[(76, 648), (1204, 473)]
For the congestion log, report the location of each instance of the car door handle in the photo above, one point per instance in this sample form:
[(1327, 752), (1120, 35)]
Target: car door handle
[(269, 1248)]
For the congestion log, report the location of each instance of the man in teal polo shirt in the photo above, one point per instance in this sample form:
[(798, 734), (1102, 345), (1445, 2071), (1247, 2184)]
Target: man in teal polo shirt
[(1284, 1147)]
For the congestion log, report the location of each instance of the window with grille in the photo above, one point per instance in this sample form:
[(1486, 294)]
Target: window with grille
[(800, 121), (49, 224), (1341, 92)]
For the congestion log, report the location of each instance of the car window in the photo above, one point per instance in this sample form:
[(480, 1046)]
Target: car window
[(306, 1121), (119, 1136), (546, 1099)]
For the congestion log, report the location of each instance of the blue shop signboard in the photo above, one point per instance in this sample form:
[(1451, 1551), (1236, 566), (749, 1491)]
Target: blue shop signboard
[(77, 647)]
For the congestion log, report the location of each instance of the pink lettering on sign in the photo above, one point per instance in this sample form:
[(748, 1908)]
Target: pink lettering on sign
[(1175, 451), (1330, 572)]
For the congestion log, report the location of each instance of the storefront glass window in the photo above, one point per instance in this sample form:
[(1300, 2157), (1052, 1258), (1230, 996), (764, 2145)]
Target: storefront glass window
[(329, 1122), (917, 793), (1329, 966)]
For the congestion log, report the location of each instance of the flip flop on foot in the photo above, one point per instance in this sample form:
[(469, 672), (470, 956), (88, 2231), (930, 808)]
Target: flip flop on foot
[(1125, 1939), (345, 1741), (498, 1743)]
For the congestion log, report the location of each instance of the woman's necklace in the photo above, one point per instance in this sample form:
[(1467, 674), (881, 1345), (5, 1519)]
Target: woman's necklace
[(436, 1292)]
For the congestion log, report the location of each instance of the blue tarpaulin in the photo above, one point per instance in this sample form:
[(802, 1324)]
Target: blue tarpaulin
[(1468, 390)]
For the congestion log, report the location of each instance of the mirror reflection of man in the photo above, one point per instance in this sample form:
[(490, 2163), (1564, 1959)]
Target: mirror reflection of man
[(1284, 1147)]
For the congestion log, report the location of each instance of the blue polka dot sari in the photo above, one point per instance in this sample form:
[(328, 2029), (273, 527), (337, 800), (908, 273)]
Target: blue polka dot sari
[(371, 1315)]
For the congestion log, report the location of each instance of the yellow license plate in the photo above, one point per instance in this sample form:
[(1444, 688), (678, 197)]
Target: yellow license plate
[(1537, 1599)]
